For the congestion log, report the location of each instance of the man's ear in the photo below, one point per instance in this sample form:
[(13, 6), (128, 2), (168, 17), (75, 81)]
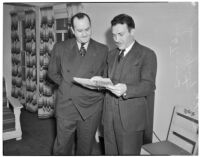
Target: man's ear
[(133, 32)]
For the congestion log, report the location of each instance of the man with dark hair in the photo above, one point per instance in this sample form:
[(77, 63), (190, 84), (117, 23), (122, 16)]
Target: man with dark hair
[(79, 16), (78, 109), (129, 104)]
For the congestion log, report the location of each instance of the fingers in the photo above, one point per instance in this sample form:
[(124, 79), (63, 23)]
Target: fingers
[(117, 89)]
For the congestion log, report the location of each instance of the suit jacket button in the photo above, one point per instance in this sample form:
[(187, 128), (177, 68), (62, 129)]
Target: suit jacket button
[(70, 99), (68, 70)]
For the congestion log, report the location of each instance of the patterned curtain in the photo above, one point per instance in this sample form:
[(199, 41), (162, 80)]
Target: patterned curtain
[(30, 60), (16, 59), (46, 101)]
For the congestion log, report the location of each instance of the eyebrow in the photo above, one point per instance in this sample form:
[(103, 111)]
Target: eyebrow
[(118, 33)]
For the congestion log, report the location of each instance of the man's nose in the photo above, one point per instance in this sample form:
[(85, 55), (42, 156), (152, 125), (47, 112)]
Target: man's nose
[(116, 38), (84, 33)]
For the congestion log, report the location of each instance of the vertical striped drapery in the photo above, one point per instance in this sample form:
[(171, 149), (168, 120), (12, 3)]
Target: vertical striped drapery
[(46, 97)]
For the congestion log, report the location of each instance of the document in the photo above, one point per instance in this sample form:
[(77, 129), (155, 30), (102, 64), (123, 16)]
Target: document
[(92, 83)]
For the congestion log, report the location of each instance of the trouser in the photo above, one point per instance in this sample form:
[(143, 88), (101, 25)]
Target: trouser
[(85, 131), (119, 141)]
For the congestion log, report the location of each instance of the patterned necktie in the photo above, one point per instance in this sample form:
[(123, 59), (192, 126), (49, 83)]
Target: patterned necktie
[(121, 55), (82, 50)]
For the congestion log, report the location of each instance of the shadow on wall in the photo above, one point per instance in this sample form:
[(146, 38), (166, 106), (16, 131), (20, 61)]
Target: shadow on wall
[(109, 39)]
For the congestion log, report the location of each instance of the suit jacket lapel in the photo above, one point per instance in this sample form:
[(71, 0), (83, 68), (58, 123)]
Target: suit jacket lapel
[(69, 58), (131, 59)]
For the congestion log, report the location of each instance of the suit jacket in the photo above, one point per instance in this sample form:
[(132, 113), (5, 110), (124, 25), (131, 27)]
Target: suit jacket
[(64, 65), (138, 73)]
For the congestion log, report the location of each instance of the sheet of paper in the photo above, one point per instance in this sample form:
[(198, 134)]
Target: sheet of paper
[(100, 82)]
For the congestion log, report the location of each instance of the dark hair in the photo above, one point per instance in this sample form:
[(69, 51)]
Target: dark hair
[(79, 16), (123, 19)]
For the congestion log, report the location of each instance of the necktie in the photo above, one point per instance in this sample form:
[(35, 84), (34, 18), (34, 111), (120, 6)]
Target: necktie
[(82, 50), (121, 55)]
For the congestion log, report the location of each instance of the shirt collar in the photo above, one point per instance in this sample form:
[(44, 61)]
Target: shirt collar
[(85, 46), (128, 48)]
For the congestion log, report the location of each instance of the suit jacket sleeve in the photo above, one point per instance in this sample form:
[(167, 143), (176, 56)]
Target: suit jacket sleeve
[(54, 67), (146, 85)]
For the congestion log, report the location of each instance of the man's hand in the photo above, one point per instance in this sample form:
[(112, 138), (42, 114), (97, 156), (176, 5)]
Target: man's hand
[(118, 89)]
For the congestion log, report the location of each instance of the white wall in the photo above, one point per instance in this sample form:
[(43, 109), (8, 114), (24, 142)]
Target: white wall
[(170, 29)]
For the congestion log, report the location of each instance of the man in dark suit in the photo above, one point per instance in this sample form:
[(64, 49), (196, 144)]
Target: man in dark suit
[(129, 104), (78, 109)]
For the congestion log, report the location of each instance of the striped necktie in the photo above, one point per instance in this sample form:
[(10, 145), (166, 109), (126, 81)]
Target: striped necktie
[(121, 55), (82, 50)]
